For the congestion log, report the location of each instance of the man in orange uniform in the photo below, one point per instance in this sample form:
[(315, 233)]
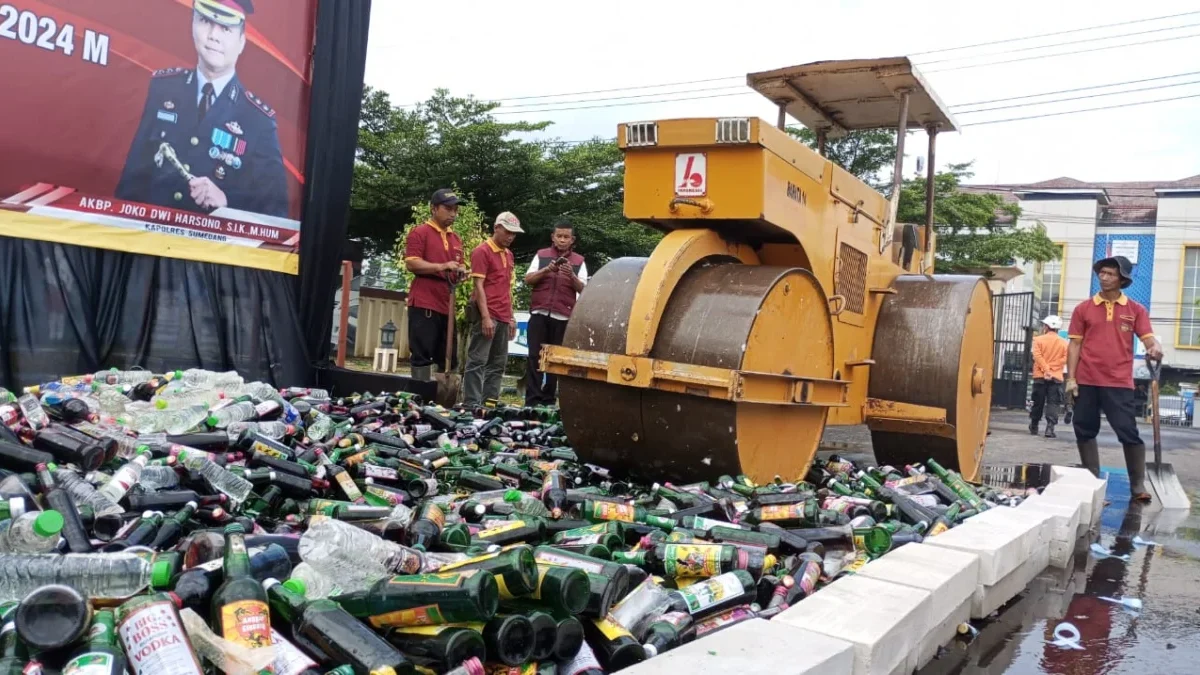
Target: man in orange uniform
[(490, 313), (1049, 357), (1100, 364)]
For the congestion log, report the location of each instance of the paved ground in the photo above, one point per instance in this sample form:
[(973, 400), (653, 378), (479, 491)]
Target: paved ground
[(1011, 443)]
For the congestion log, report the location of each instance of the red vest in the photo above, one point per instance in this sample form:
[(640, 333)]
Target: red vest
[(554, 293)]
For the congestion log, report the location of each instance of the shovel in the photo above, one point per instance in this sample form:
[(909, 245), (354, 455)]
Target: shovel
[(1162, 477), (449, 383)]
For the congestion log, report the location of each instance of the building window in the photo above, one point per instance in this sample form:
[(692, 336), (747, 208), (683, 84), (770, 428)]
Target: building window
[(1051, 273), (1189, 295)]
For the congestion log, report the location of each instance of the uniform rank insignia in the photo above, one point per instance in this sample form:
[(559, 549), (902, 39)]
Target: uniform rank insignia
[(167, 116)]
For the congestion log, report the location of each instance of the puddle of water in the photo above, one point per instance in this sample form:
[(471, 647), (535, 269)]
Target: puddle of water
[(1162, 639)]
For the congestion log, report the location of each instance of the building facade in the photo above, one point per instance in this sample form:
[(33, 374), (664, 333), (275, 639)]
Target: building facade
[(1156, 224)]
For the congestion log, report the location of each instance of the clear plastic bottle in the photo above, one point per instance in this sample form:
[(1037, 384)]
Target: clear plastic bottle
[(525, 504), (318, 585), (32, 409), (112, 400), (180, 397), (95, 575), (263, 392), (353, 556), (320, 427), (237, 412), (182, 419), (126, 477), (233, 486), (156, 477), (197, 377), (272, 429), (33, 532), (115, 376), (83, 492)]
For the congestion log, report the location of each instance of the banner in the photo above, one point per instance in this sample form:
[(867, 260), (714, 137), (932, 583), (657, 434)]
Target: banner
[(172, 128)]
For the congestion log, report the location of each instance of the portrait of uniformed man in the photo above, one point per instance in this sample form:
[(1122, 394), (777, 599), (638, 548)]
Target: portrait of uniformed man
[(205, 141)]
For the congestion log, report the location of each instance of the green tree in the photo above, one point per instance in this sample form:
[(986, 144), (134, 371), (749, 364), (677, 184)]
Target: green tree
[(405, 154), (969, 235)]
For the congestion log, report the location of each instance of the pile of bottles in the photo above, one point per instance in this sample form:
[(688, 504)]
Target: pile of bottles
[(192, 522)]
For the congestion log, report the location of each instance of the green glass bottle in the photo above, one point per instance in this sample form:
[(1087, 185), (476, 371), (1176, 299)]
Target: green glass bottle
[(565, 589), (508, 638), (513, 531), (874, 541), (239, 607), (323, 624), (514, 568), (101, 656), (426, 526), (615, 647), (957, 484), (607, 580), (713, 595), (423, 599), (599, 511), (545, 632), (439, 648), (684, 560), (784, 515), (591, 550), (609, 534)]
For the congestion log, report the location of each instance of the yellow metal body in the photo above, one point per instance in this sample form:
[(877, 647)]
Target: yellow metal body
[(769, 200), (806, 211)]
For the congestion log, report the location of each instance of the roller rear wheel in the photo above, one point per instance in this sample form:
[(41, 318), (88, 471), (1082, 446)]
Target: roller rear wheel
[(934, 347)]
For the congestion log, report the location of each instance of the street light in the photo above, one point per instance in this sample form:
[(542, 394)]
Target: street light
[(387, 335)]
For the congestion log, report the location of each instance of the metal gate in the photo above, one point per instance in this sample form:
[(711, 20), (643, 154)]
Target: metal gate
[(1013, 317)]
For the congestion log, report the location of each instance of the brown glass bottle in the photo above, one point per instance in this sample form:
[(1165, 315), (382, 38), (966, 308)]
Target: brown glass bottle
[(239, 607)]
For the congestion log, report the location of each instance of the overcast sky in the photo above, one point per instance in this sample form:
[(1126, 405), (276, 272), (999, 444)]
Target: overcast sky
[(522, 48)]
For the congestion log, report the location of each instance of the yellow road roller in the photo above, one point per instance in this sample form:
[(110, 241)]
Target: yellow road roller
[(783, 297)]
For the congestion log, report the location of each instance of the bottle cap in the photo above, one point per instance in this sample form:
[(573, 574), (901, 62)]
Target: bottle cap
[(48, 524), (160, 574), (161, 404), (512, 496), (296, 585), (212, 420), (651, 650)]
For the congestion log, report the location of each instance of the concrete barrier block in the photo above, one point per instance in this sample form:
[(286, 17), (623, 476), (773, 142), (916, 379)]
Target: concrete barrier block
[(1066, 514), (755, 646), (1001, 546), (949, 575), (885, 622), (989, 598), (943, 633), (1005, 515), (1092, 501)]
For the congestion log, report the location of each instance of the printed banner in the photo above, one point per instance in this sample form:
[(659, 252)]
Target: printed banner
[(165, 127)]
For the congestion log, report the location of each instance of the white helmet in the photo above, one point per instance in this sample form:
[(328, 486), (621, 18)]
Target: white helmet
[(1053, 321)]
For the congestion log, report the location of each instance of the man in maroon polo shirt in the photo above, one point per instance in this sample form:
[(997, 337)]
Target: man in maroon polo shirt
[(433, 253), (1100, 369), (490, 313)]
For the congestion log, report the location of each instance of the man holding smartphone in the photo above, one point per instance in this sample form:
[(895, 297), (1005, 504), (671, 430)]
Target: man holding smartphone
[(557, 275)]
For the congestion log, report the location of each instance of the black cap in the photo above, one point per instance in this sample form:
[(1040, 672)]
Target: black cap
[(445, 196), (1124, 268)]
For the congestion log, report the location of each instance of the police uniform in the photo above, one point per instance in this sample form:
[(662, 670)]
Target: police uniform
[(235, 144)]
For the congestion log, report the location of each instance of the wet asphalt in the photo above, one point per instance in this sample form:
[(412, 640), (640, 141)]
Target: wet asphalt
[(1162, 638)]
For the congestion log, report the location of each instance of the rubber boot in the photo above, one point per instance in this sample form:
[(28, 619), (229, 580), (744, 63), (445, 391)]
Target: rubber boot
[(1135, 464), (422, 373), (1089, 456)]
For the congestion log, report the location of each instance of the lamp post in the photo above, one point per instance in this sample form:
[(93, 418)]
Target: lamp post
[(387, 335)]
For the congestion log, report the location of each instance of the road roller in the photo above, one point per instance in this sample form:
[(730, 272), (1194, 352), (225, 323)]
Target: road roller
[(783, 297)]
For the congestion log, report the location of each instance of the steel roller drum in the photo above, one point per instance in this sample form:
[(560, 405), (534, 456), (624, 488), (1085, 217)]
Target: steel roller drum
[(934, 347), (721, 314)]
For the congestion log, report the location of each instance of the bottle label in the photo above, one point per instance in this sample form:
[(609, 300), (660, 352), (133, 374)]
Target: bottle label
[(358, 457), (611, 511), (381, 472), (288, 659), (860, 543), (424, 630), (706, 524), (212, 565), (684, 560), (501, 669), (577, 532), (348, 486), (434, 514), (782, 512), (723, 619), (507, 527), (552, 558), (259, 446), (808, 578), (91, 663), (837, 505), (677, 620), (938, 528), (155, 642), (611, 629), (583, 662), (389, 497), (701, 596), (585, 540), (247, 623), (414, 616), (455, 579)]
